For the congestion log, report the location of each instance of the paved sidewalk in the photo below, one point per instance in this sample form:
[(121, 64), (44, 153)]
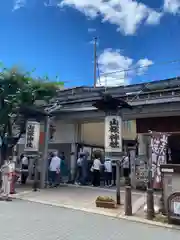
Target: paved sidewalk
[(80, 198), (83, 198), (22, 220)]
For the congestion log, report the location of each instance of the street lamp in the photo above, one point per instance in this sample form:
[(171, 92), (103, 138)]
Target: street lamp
[(113, 131)]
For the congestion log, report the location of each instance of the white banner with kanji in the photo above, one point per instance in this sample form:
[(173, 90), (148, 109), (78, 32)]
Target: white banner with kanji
[(159, 147), (113, 134), (32, 136)]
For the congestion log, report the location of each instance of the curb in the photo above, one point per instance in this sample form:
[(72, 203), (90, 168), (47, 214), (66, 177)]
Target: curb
[(149, 222), (104, 213), (89, 210)]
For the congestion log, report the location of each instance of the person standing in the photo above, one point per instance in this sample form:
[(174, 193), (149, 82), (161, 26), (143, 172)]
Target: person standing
[(24, 168), (96, 170), (108, 171), (84, 168), (50, 155), (114, 174), (126, 170), (63, 168), (6, 180), (79, 169), (54, 169)]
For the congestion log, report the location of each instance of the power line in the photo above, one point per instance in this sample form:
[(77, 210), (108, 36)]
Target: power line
[(142, 66), (137, 76), (146, 84)]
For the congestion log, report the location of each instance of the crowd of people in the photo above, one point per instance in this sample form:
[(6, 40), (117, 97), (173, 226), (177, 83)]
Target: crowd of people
[(88, 172), (55, 168), (98, 170)]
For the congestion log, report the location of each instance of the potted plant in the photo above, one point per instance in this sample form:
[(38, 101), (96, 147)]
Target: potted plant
[(105, 202)]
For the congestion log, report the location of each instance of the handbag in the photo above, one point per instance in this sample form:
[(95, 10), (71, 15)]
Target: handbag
[(92, 168)]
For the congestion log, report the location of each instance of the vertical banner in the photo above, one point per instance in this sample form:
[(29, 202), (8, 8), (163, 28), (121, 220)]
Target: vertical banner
[(159, 147), (113, 134), (32, 136)]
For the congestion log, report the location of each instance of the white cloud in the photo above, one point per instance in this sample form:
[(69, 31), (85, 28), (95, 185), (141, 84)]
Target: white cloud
[(112, 65), (127, 15), (18, 4), (172, 6), (154, 17), (142, 65)]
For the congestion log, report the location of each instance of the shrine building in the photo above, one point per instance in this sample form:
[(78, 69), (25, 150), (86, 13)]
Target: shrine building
[(78, 125)]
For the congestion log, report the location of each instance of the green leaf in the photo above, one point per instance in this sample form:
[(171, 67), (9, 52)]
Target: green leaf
[(21, 89)]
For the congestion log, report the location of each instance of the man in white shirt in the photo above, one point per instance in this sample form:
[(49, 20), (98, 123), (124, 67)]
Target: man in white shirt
[(24, 168), (96, 168), (54, 169), (79, 169), (25, 161), (97, 164)]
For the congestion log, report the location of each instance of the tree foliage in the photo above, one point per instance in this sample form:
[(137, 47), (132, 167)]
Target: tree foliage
[(17, 90)]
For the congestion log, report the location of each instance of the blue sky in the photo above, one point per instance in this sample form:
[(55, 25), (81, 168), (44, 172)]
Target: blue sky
[(55, 37)]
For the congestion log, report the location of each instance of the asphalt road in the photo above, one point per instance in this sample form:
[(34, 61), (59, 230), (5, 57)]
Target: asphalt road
[(20, 220)]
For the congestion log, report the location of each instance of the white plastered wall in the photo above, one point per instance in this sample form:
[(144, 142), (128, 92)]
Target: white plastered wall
[(93, 133)]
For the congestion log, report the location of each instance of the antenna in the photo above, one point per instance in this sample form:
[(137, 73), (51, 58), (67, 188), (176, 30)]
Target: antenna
[(95, 61)]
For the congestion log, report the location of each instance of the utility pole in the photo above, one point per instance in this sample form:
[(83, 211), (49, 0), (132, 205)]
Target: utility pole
[(95, 61)]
